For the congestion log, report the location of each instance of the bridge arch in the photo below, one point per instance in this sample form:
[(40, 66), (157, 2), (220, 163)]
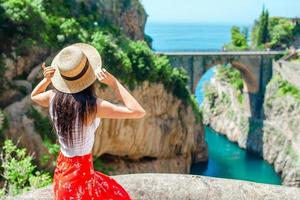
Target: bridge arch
[(251, 82)]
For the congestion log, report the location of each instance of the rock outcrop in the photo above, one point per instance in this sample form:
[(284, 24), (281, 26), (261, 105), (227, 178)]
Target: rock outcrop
[(168, 135), (178, 187), (21, 130), (130, 15), (224, 113), (281, 130)]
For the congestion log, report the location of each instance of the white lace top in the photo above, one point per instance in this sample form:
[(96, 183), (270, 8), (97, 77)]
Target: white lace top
[(80, 147)]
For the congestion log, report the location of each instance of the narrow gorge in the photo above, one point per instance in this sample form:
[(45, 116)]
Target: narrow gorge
[(274, 135)]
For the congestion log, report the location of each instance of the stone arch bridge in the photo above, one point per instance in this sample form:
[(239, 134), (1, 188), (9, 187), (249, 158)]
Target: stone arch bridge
[(255, 67)]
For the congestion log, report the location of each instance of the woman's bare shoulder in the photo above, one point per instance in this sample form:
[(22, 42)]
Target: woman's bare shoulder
[(51, 93)]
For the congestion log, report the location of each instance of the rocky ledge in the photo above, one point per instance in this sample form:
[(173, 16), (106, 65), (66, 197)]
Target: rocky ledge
[(178, 186)]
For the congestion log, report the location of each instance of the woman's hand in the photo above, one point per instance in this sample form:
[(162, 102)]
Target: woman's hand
[(105, 77), (48, 72), (38, 94)]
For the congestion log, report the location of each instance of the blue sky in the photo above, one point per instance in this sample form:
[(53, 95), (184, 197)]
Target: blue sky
[(217, 11)]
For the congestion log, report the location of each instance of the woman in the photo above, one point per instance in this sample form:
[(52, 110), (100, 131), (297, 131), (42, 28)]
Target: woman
[(76, 113)]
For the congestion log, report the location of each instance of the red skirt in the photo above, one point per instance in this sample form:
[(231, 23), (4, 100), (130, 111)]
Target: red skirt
[(75, 179)]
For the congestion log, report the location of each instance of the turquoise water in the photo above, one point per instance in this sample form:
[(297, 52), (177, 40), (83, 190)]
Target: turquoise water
[(226, 159), (188, 36), (199, 93)]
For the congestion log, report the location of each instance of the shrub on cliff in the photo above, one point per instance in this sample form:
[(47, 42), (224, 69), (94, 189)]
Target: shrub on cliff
[(238, 39), (285, 88), (282, 33), (18, 171), (232, 76)]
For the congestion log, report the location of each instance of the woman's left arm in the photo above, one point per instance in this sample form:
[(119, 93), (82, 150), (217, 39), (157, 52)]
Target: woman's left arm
[(38, 94)]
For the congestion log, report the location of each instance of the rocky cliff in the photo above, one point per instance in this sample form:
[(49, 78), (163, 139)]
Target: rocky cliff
[(276, 136), (167, 139), (178, 187), (224, 113), (281, 130), (129, 15)]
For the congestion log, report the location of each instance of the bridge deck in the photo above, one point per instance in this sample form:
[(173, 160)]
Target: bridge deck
[(221, 53)]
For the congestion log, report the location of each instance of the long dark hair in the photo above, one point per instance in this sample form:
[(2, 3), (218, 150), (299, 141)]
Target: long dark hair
[(68, 107)]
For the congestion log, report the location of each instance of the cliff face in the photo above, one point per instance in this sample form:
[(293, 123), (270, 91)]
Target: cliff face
[(281, 129), (275, 137), (167, 139), (129, 15), (223, 112)]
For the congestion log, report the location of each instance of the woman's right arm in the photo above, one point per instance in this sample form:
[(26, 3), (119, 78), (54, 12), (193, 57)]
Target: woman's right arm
[(105, 109)]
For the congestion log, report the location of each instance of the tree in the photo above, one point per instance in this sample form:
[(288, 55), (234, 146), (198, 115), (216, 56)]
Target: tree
[(282, 33), (238, 39), (263, 35)]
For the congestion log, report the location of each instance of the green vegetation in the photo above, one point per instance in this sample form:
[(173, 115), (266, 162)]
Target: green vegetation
[(18, 171), (42, 124), (232, 76), (267, 32), (3, 125), (211, 94), (282, 33), (263, 35), (285, 88), (238, 39), (53, 149), (297, 59), (274, 32), (1, 119), (3, 79), (100, 166)]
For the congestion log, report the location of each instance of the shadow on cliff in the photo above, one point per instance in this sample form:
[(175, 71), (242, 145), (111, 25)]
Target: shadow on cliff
[(254, 142)]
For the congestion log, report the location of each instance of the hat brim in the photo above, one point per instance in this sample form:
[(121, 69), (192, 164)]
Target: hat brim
[(83, 82)]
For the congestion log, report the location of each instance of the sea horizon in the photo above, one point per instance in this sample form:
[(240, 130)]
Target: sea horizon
[(190, 36)]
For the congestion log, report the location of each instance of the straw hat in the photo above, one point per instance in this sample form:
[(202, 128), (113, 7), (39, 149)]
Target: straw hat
[(75, 67)]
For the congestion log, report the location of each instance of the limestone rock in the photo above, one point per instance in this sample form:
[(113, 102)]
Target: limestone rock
[(22, 131), (168, 131), (129, 15), (226, 115), (178, 187), (19, 65), (282, 133)]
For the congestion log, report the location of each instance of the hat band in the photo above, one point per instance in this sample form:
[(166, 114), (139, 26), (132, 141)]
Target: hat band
[(73, 78)]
